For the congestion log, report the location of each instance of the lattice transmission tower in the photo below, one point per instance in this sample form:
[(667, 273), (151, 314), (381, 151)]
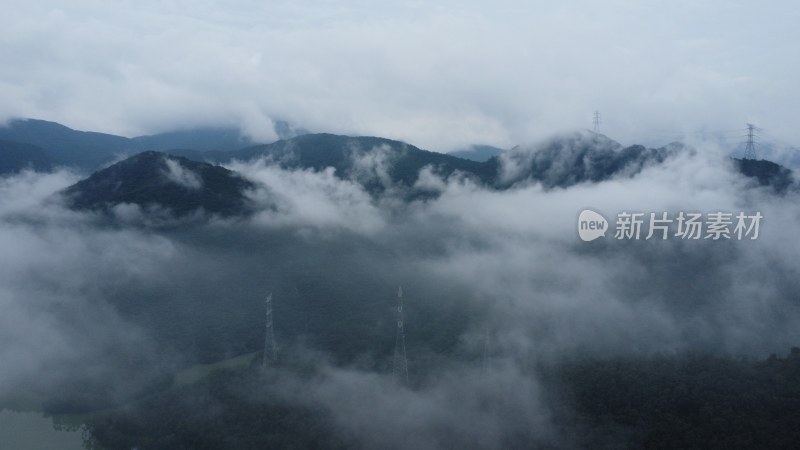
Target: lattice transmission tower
[(596, 121), (270, 349), (400, 367), (750, 145)]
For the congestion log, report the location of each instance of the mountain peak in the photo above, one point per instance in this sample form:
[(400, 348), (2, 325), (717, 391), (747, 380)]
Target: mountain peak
[(159, 180), (575, 157), (766, 173)]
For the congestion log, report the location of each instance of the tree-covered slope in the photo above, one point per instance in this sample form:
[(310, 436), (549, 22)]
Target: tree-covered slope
[(157, 179), (16, 156)]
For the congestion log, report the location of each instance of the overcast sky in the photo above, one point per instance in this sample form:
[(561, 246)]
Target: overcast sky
[(439, 77)]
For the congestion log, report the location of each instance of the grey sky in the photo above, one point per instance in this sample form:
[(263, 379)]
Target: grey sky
[(437, 76)]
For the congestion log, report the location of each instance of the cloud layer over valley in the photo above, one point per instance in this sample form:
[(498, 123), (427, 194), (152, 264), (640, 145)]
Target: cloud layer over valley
[(497, 284)]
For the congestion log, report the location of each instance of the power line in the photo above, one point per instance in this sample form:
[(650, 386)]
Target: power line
[(772, 140), (596, 121)]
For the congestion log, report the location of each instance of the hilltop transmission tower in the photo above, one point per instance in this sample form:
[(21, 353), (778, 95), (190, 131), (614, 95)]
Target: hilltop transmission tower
[(270, 349), (400, 370), (750, 145), (596, 121)]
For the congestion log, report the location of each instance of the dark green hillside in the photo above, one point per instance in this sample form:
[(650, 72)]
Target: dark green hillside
[(16, 156), (766, 173), (575, 158), (346, 154), (82, 149), (145, 180), (687, 401)]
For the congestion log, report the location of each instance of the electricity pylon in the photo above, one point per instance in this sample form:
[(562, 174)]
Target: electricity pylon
[(400, 369), (750, 145), (270, 349)]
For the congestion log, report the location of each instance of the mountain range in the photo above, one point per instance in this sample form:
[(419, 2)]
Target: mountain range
[(88, 151), (190, 176), (198, 294)]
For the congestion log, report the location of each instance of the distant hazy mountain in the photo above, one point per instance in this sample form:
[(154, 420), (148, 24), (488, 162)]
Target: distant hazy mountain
[(479, 153), (573, 158), (375, 162), (151, 179), (201, 139), (560, 162), (563, 161), (90, 151), (361, 158), (16, 156), (286, 130), (83, 149)]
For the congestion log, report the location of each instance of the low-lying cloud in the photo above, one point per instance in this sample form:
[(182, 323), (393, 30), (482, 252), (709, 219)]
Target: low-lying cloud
[(182, 176), (506, 266)]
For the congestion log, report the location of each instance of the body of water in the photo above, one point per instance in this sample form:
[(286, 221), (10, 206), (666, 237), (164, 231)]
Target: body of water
[(34, 431)]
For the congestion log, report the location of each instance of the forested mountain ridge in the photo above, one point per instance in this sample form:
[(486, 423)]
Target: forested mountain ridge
[(158, 179), (18, 156), (562, 161)]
